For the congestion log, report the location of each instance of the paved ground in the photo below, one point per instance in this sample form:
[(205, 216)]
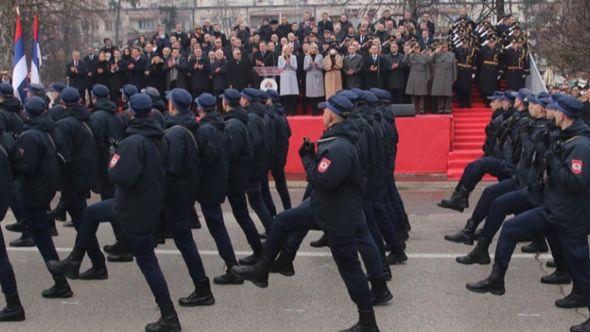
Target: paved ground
[(429, 291)]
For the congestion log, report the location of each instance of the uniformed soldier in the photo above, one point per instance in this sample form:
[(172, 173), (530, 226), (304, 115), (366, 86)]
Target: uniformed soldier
[(335, 205), (563, 216), (215, 158), (39, 172), (8, 154), (466, 69), (488, 64), (515, 62)]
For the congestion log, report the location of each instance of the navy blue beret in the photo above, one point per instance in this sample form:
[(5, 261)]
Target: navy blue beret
[(152, 92), (370, 97), (6, 89), (273, 94), (250, 93), (35, 106), (351, 96), (543, 95), (337, 104), (181, 99), (571, 106), (36, 87), (129, 90), (70, 95), (381, 94), (510, 95), (498, 95), (358, 92), (206, 101), (100, 90), (231, 95), (141, 104), (57, 87), (524, 93), (262, 96)]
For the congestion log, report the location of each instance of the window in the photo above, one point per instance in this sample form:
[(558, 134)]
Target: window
[(145, 25)]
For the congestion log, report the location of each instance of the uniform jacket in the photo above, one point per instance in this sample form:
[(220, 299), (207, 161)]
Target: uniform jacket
[(444, 74), (259, 136), (137, 170), (314, 76), (465, 67), (419, 74), (567, 191), (11, 120), (8, 156), (489, 69), (283, 133), (182, 160), (214, 157), (241, 150), (516, 66)]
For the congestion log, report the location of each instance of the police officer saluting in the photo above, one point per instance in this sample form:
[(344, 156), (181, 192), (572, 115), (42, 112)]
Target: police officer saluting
[(182, 183), (563, 218), (137, 170)]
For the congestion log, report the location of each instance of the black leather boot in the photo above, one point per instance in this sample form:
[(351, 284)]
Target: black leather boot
[(18, 227), (478, 234), (458, 201), (386, 270), (229, 278), (584, 327), (284, 263), (573, 300), (319, 243), (250, 260), (119, 252), (493, 284), (366, 323), (59, 213), (14, 311), (479, 254), (168, 321), (396, 258), (465, 235), (257, 273), (60, 290), (201, 296), (69, 266), (561, 276), (26, 240), (537, 246), (95, 273), (380, 293)]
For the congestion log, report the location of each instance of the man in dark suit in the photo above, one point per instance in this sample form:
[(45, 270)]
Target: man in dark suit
[(352, 67), (76, 73), (237, 71), (137, 66), (91, 64), (372, 68), (263, 58)]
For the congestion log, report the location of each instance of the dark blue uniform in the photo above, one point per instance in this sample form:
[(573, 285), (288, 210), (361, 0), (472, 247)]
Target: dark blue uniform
[(8, 155)]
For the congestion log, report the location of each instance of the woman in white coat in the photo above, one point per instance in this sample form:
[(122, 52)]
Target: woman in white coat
[(314, 78), (289, 87)]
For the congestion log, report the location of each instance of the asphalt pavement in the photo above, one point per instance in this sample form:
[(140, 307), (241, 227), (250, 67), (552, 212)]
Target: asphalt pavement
[(429, 291)]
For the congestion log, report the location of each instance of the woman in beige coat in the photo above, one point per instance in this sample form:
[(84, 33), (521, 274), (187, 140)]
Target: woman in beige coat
[(333, 76)]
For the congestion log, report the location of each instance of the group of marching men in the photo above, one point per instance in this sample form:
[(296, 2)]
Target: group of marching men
[(538, 146), (153, 161)]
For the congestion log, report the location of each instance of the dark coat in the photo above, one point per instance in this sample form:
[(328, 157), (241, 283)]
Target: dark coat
[(199, 79), (37, 168), (103, 76), (77, 79), (11, 120), (238, 74), (214, 158), (372, 79), (395, 78), (137, 170), (182, 160), (259, 136), (356, 65), (465, 68), (516, 66), (157, 77), (241, 150), (118, 76), (8, 156), (137, 73), (282, 135), (91, 65), (218, 77), (489, 66)]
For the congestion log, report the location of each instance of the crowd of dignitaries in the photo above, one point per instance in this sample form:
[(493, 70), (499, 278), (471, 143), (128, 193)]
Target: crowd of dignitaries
[(538, 146), (153, 161), (317, 57)]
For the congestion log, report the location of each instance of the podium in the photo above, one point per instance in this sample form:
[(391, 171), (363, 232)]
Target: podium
[(268, 73)]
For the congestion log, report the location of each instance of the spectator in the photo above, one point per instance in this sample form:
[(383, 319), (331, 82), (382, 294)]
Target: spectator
[(314, 78), (237, 71), (372, 68), (353, 66), (417, 85), (333, 77), (394, 66), (216, 70), (288, 82)]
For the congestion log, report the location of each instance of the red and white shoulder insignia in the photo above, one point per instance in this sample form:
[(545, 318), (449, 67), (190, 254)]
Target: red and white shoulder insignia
[(114, 160), (577, 166), (324, 165)]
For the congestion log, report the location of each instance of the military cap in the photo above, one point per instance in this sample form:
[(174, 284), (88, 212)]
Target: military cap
[(35, 106), (100, 91), (6, 89), (273, 94), (338, 104), (141, 104), (570, 106), (129, 90), (206, 101), (262, 96), (510, 95), (70, 95), (382, 95), (232, 96), (36, 88), (544, 101), (57, 87), (351, 96), (152, 92), (369, 97), (181, 99), (498, 95), (249, 93)]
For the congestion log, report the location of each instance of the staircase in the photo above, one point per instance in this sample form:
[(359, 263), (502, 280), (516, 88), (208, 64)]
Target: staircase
[(468, 134)]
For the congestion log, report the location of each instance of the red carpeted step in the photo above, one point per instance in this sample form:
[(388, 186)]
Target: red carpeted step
[(470, 138), (465, 154), (467, 145)]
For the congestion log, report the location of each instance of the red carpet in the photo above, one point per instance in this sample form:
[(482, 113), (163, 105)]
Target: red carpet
[(468, 135)]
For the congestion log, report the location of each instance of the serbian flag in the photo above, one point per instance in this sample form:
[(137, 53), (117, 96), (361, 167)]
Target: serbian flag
[(36, 54), (19, 62)]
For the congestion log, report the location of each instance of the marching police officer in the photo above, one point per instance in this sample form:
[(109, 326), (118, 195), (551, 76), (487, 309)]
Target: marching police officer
[(13, 310), (214, 157), (336, 206), (39, 172), (182, 184), (563, 218)]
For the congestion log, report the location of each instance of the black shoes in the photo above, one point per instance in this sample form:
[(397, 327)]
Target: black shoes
[(60, 290), (396, 258), (200, 297), (257, 273), (59, 213), (558, 277), (571, 301), (229, 278), (493, 284), (14, 311), (26, 240), (366, 323), (118, 253), (95, 273), (169, 323), (380, 293), (284, 264), (17, 227), (69, 266), (458, 201), (465, 235), (250, 260), (537, 246), (584, 327), (479, 254), (319, 243)]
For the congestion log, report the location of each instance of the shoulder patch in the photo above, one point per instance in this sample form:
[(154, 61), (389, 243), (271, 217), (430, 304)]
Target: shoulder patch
[(324, 165), (577, 166), (114, 160)]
